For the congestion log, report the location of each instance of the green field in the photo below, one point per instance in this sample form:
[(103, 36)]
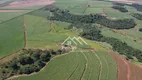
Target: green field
[(11, 36), (115, 14), (43, 33), (85, 65), (128, 39), (4, 16)]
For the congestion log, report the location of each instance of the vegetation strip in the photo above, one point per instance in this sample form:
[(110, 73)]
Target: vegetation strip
[(85, 65), (99, 76), (73, 71), (107, 68), (92, 18), (90, 70), (25, 39)]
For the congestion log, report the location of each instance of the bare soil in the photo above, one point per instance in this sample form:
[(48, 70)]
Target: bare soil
[(29, 3), (126, 69), (123, 67)]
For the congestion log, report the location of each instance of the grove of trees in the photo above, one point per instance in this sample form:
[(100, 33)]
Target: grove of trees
[(29, 61), (66, 16), (120, 8)]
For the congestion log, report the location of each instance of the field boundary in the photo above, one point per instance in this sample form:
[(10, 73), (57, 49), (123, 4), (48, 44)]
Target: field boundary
[(107, 67), (85, 65), (73, 70), (99, 76), (25, 35)]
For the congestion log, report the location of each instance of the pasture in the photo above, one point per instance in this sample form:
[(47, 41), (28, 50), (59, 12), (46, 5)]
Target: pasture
[(11, 36), (115, 14), (85, 65), (42, 33), (130, 40), (4, 16)]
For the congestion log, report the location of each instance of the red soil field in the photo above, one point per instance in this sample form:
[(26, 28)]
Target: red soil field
[(122, 66), (136, 72), (126, 70), (29, 3)]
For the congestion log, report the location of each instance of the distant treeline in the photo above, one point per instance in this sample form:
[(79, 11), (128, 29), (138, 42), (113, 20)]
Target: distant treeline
[(91, 32), (66, 16), (137, 16), (138, 7), (120, 8), (29, 61)]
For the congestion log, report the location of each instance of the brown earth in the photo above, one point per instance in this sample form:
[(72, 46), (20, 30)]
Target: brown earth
[(29, 3), (136, 72), (122, 66), (126, 69)]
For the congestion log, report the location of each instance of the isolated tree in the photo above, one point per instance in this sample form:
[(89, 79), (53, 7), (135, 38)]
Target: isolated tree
[(140, 29)]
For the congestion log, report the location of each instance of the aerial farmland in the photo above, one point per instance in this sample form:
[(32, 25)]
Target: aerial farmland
[(70, 40)]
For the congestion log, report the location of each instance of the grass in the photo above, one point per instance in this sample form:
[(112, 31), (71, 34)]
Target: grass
[(41, 13), (42, 33), (92, 67), (77, 65), (128, 39), (93, 11), (11, 37), (115, 14), (109, 67), (4, 16), (99, 4), (75, 7), (41, 36)]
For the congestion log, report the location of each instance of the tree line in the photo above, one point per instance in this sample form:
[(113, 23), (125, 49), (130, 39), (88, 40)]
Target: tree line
[(137, 16), (66, 16), (120, 8), (91, 32), (138, 7), (85, 22), (29, 61)]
